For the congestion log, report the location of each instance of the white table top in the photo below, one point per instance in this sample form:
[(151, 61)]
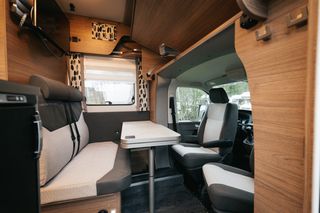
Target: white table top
[(138, 134)]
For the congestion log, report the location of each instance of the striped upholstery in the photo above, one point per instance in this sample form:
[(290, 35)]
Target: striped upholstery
[(79, 178), (70, 168), (53, 157), (84, 132), (57, 148)]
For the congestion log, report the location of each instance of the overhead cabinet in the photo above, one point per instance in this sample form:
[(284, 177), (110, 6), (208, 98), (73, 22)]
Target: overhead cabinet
[(95, 36)]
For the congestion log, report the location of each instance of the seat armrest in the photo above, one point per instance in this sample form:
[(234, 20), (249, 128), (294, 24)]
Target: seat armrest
[(190, 139), (218, 143)]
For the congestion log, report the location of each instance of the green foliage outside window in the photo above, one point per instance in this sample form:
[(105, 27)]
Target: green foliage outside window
[(235, 88), (189, 101), (239, 94)]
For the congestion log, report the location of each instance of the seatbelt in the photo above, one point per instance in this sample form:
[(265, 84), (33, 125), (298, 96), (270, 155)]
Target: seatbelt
[(73, 138), (75, 126), (173, 113)]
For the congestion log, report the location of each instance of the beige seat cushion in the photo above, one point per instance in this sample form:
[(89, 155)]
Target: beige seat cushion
[(78, 179), (57, 149), (215, 174), (183, 150)]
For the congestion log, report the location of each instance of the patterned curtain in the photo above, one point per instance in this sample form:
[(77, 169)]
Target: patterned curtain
[(106, 32), (75, 72), (143, 89)]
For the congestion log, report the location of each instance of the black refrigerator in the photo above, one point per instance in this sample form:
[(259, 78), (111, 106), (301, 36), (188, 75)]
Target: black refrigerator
[(20, 144)]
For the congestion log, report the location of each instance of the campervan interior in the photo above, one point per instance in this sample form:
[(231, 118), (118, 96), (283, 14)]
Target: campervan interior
[(168, 106)]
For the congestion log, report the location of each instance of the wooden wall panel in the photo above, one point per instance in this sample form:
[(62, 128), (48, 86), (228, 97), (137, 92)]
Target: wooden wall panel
[(150, 62), (153, 99), (276, 73), (27, 55), (310, 96), (81, 26), (179, 23), (3, 42), (91, 205)]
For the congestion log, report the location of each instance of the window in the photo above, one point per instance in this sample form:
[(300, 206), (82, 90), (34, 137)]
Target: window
[(191, 103), (109, 81), (238, 93)]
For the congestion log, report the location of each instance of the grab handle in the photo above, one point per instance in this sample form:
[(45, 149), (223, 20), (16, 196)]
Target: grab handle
[(38, 124)]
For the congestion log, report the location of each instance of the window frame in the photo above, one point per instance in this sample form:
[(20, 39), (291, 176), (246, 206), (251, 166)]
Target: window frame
[(110, 107)]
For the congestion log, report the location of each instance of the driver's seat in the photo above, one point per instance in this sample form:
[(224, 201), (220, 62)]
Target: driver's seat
[(216, 134)]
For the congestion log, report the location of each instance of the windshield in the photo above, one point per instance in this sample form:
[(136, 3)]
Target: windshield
[(238, 93)]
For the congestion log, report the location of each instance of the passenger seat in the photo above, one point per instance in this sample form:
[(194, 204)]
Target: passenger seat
[(216, 134), (230, 189)]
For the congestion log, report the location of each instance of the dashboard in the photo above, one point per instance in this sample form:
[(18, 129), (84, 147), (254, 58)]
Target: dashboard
[(244, 117)]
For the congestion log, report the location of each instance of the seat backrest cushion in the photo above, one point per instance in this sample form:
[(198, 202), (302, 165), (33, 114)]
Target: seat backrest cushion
[(55, 104), (83, 131), (215, 119), (220, 120), (58, 150)]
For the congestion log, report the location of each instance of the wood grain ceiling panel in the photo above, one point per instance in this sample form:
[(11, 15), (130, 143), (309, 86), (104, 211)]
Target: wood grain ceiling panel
[(178, 23)]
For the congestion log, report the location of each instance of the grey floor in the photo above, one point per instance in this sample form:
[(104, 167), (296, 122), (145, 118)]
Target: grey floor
[(171, 197)]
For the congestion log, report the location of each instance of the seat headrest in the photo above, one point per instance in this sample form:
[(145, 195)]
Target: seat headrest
[(218, 95), (55, 90)]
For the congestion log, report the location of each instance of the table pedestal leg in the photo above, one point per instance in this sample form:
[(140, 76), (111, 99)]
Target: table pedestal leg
[(151, 179)]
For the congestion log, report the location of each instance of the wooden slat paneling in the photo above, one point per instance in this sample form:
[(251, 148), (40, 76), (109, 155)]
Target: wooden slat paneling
[(3, 42), (81, 26), (178, 23), (276, 73), (27, 55)]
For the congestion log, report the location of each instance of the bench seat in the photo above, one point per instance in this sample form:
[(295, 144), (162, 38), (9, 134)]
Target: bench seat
[(92, 172), (72, 169)]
